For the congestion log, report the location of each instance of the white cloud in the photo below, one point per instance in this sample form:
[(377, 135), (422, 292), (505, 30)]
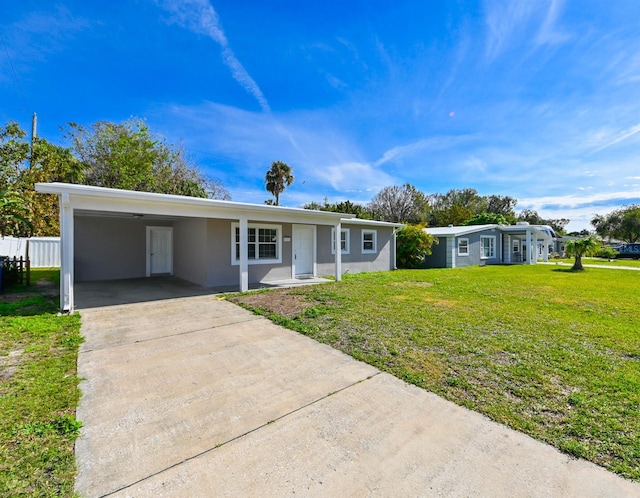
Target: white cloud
[(549, 32), (38, 35), (574, 201), (604, 140), (321, 157), (200, 17), (354, 176), (504, 20), (580, 209)]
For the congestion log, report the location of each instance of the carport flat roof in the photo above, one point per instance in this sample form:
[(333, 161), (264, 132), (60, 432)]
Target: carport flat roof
[(108, 199)]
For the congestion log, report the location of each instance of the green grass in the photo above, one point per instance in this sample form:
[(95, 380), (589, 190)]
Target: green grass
[(549, 352), (38, 391)]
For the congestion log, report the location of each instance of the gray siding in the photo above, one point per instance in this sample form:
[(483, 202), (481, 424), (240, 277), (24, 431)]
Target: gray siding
[(355, 261), (115, 248), (474, 257), (218, 267), (110, 248), (220, 272), (190, 250), (281, 271), (445, 254), (438, 257)]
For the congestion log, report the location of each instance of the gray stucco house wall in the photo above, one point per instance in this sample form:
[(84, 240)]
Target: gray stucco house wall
[(438, 257), (357, 259)]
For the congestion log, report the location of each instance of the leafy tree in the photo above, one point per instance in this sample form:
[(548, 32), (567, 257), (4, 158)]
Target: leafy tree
[(49, 163), (279, 177), (413, 244), (404, 204), (533, 218), (503, 205), (582, 233), (579, 248), (349, 207), (23, 166), (13, 213), (129, 156), (346, 207), (14, 152), (455, 207), (486, 218), (121, 156), (622, 224)]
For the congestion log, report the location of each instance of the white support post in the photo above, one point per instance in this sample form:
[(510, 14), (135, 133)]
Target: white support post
[(338, 250), (529, 248), (394, 250), (66, 252), (451, 244), (546, 252), (536, 247), (509, 249), (244, 254)]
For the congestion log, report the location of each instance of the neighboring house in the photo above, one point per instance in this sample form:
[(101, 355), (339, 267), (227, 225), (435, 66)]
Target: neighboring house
[(117, 234), (489, 245), (560, 244)]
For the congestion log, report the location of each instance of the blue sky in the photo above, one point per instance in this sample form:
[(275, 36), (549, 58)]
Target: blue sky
[(536, 99)]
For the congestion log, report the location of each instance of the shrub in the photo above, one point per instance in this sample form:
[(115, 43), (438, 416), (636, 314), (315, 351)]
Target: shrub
[(413, 244), (606, 252)]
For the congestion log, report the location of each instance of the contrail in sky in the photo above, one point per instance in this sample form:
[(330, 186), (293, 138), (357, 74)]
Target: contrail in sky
[(200, 17)]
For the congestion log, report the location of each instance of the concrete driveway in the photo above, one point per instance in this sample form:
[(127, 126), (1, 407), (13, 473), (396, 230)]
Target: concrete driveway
[(193, 396)]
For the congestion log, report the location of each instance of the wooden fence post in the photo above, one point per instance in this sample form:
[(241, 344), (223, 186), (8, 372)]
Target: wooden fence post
[(28, 264)]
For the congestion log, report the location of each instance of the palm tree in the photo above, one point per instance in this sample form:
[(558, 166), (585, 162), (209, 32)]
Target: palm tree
[(277, 179), (581, 247)]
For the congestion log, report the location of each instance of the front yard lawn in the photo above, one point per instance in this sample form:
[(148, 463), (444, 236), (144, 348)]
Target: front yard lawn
[(38, 390), (546, 351)]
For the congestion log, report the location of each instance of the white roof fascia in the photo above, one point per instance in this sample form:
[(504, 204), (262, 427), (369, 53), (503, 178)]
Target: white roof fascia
[(103, 199), (525, 228), (372, 223), (458, 230)]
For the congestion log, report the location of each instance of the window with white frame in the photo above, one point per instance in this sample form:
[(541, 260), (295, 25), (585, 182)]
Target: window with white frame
[(487, 247), (463, 247), (516, 245), (369, 241), (264, 244), (344, 240)]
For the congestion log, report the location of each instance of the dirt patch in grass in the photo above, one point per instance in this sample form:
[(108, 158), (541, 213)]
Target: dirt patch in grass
[(283, 303)]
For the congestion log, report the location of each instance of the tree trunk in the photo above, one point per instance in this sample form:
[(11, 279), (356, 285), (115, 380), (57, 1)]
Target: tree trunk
[(577, 265)]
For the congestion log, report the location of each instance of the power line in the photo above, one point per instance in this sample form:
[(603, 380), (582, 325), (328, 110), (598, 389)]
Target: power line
[(15, 74)]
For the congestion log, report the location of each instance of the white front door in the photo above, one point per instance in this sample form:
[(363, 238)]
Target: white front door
[(303, 241), (159, 250)]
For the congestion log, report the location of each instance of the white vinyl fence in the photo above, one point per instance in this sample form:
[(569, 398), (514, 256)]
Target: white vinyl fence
[(44, 252)]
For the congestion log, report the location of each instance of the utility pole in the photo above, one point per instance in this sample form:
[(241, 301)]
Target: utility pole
[(34, 135)]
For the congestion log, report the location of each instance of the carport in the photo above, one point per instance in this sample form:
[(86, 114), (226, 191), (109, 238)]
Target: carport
[(118, 234)]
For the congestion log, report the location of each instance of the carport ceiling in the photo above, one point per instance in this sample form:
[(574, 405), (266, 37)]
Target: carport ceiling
[(111, 214)]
